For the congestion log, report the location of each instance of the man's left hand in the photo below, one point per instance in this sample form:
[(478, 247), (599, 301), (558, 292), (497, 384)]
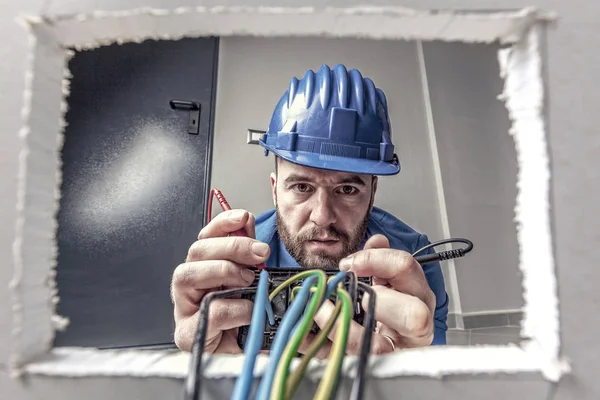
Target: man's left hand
[(404, 304)]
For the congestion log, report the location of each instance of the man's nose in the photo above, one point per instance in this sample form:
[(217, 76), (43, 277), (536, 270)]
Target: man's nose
[(323, 213)]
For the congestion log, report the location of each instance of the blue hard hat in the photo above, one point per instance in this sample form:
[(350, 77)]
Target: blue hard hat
[(335, 120)]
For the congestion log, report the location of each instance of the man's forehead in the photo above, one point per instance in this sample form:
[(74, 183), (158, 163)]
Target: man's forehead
[(288, 169)]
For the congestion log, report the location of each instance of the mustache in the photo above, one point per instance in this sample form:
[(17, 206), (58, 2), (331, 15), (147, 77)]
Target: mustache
[(312, 233)]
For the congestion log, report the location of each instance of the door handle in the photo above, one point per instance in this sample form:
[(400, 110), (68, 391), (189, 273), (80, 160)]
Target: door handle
[(194, 113)]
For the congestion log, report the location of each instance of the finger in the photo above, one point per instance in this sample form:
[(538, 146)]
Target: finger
[(251, 226), (239, 249), (229, 343), (225, 223), (397, 267), (227, 314), (356, 332), (377, 242), (323, 351), (191, 280), (405, 314), (223, 314), (382, 282)]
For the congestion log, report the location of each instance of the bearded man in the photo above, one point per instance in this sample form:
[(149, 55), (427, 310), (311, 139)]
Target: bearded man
[(331, 137)]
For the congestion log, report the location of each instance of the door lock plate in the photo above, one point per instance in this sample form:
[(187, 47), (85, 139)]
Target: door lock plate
[(194, 114)]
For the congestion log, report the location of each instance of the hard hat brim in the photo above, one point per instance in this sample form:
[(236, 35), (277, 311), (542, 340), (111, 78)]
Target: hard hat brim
[(336, 163)]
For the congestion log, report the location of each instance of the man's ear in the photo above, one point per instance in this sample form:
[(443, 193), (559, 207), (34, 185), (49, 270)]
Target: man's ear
[(274, 188), (373, 190)]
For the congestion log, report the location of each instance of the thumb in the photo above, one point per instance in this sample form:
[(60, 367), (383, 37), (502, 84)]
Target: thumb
[(377, 242)]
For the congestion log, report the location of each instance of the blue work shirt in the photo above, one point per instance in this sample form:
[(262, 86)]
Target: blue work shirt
[(401, 237)]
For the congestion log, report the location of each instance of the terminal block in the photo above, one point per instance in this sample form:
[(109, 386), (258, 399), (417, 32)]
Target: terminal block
[(282, 301)]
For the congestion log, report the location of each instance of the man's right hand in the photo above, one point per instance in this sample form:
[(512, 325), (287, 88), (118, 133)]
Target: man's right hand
[(216, 262)]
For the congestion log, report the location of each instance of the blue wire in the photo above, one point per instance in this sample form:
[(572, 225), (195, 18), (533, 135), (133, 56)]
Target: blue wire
[(270, 314), (281, 338), (333, 283), (254, 341)]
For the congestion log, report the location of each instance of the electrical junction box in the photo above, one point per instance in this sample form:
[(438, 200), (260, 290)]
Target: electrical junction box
[(282, 301)]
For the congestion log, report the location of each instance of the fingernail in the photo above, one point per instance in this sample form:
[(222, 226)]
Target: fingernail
[(346, 264), (260, 248), (237, 215), (247, 275)]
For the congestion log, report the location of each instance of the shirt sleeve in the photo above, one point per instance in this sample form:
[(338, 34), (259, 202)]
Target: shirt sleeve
[(435, 278)]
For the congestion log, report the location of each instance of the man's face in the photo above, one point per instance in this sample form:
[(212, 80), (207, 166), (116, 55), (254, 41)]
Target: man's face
[(321, 215)]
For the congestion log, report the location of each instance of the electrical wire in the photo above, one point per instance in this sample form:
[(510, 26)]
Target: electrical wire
[(282, 373), (353, 288), (332, 283), (352, 285), (288, 282), (209, 208), (319, 340), (326, 388), (443, 255), (193, 383), (313, 348), (278, 346), (254, 341), (358, 386)]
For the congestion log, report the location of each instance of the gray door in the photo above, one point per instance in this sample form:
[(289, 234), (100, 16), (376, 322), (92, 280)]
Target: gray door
[(134, 187)]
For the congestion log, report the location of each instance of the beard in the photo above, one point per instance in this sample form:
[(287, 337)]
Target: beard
[(295, 243)]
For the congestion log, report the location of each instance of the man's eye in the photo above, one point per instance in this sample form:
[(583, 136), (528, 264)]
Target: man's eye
[(348, 190), (302, 187)]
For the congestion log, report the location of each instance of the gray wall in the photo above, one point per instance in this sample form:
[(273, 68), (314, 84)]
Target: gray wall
[(478, 164), (476, 156), (575, 150)]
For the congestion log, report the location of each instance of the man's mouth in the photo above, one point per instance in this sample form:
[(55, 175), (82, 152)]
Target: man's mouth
[(322, 242), (325, 240)]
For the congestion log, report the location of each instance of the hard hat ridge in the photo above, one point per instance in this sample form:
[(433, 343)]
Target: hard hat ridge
[(333, 119)]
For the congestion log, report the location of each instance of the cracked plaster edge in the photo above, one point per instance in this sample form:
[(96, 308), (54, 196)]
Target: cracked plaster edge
[(523, 96), (537, 354), (541, 345), (354, 10), (448, 25), (432, 362), (20, 355), (15, 284)]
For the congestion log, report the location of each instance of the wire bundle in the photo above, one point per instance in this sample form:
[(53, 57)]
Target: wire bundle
[(279, 380)]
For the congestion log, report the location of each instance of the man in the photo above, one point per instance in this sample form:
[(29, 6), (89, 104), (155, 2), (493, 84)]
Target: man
[(331, 137)]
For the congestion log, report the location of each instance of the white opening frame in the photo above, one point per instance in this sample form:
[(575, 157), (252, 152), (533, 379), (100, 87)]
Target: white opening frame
[(521, 61)]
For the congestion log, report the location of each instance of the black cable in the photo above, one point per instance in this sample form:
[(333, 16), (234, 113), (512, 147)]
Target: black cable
[(358, 387), (443, 255), (352, 285), (352, 289), (194, 377)]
